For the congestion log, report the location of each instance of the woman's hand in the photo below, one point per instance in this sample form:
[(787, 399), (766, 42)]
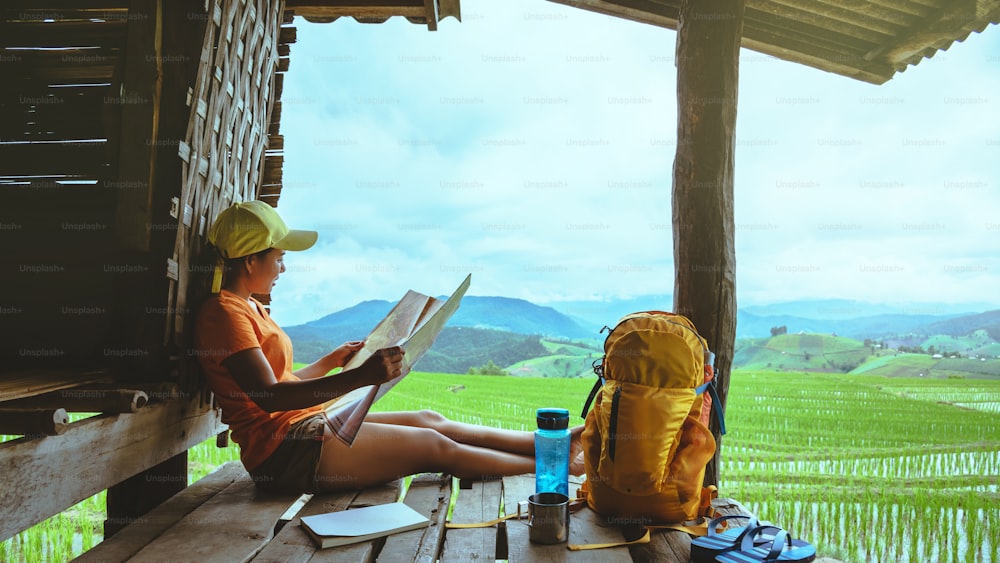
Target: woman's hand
[(384, 365), (252, 372), (342, 354), (331, 361)]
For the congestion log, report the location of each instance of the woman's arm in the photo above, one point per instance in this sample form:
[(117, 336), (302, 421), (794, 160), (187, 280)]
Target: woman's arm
[(335, 359), (254, 375)]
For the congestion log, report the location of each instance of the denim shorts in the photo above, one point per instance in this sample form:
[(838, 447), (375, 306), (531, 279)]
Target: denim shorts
[(293, 466)]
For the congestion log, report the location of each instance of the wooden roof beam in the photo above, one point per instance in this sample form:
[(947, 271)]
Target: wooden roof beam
[(418, 11), (939, 26), (759, 34), (881, 19), (23, 6), (868, 41), (849, 29), (65, 66), (642, 11), (351, 8), (817, 57), (71, 158), (109, 34)]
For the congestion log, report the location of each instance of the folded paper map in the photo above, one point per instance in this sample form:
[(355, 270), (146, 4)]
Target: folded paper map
[(413, 323)]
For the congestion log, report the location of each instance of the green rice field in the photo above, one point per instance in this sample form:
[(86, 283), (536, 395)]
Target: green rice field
[(867, 468)]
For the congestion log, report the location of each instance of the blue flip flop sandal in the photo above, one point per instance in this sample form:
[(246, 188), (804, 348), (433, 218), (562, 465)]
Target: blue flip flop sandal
[(782, 548), (707, 547)]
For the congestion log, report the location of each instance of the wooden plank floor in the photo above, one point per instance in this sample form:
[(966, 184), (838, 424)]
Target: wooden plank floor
[(142, 531), (430, 496), (224, 518), (480, 502), (584, 527)]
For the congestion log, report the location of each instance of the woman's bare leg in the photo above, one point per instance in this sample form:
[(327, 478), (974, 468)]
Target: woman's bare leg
[(518, 442), (513, 441), (383, 452)]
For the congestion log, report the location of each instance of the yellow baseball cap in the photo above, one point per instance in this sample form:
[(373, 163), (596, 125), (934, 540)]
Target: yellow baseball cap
[(252, 226)]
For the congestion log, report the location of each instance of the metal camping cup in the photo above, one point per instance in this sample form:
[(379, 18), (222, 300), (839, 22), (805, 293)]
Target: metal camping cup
[(548, 517)]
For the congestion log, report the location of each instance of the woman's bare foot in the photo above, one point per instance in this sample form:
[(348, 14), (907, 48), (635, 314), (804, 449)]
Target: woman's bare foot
[(576, 466)]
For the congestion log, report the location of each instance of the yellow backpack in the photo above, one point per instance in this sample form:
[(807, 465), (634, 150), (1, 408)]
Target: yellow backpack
[(646, 442)]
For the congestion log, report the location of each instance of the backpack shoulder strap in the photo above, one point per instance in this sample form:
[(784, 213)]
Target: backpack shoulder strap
[(716, 403), (593, 393)]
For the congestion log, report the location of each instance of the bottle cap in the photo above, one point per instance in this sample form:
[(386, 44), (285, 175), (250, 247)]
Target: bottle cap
[(552, 419)]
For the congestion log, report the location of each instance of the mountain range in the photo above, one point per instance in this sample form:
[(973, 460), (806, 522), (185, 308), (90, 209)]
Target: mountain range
[(496, 313), (499, 324)]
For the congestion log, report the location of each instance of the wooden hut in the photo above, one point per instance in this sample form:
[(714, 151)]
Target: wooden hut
[(126, 125)]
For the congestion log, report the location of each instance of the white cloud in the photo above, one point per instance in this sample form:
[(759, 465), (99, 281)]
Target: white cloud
[(532, 145)]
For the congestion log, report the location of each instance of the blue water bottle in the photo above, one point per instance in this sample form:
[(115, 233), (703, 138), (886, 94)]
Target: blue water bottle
[(552, 451)]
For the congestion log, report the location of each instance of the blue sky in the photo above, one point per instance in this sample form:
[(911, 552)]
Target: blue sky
[(532, 145)]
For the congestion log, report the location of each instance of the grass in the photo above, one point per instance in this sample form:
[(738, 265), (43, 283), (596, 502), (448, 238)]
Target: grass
[(977, 342), (567, 359), (903, 365), (923, 365), (579, 347), (801, 352), (554, 366), (506, 402), (863, 466)]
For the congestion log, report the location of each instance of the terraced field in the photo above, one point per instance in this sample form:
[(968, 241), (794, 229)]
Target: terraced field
[(870, 468), (865, 467)]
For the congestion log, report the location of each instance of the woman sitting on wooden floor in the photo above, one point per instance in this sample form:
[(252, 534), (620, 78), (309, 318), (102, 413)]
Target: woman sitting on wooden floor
[(275, 413)]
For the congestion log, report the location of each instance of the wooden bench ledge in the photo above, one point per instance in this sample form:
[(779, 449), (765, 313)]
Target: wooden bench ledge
[(224, 518), (215, 506), (31, 382)]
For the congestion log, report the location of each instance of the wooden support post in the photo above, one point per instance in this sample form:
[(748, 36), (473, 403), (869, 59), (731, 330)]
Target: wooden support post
[(164, 41), (708, 48), (162, 53), (33, 422), (139, 99)]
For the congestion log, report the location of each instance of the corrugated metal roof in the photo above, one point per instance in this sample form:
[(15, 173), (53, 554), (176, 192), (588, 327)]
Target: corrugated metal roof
[(869, 40)]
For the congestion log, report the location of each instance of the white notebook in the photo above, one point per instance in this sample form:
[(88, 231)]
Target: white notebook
[(362, 524)]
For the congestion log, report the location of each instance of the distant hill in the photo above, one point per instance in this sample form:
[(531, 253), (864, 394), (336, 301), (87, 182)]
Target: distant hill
[(315, 338), (459, 348), (528, 339), (496, 314), (584, 319), (749, 325), (516, 315), (801, 352), (821, 352), (597, 313), (844, 309), (923, 365), (966, 324)]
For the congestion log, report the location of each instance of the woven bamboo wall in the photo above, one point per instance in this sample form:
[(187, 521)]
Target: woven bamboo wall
[(227, 135)]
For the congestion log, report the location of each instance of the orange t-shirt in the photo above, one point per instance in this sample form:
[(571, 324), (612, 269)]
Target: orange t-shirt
[(228, 324)]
